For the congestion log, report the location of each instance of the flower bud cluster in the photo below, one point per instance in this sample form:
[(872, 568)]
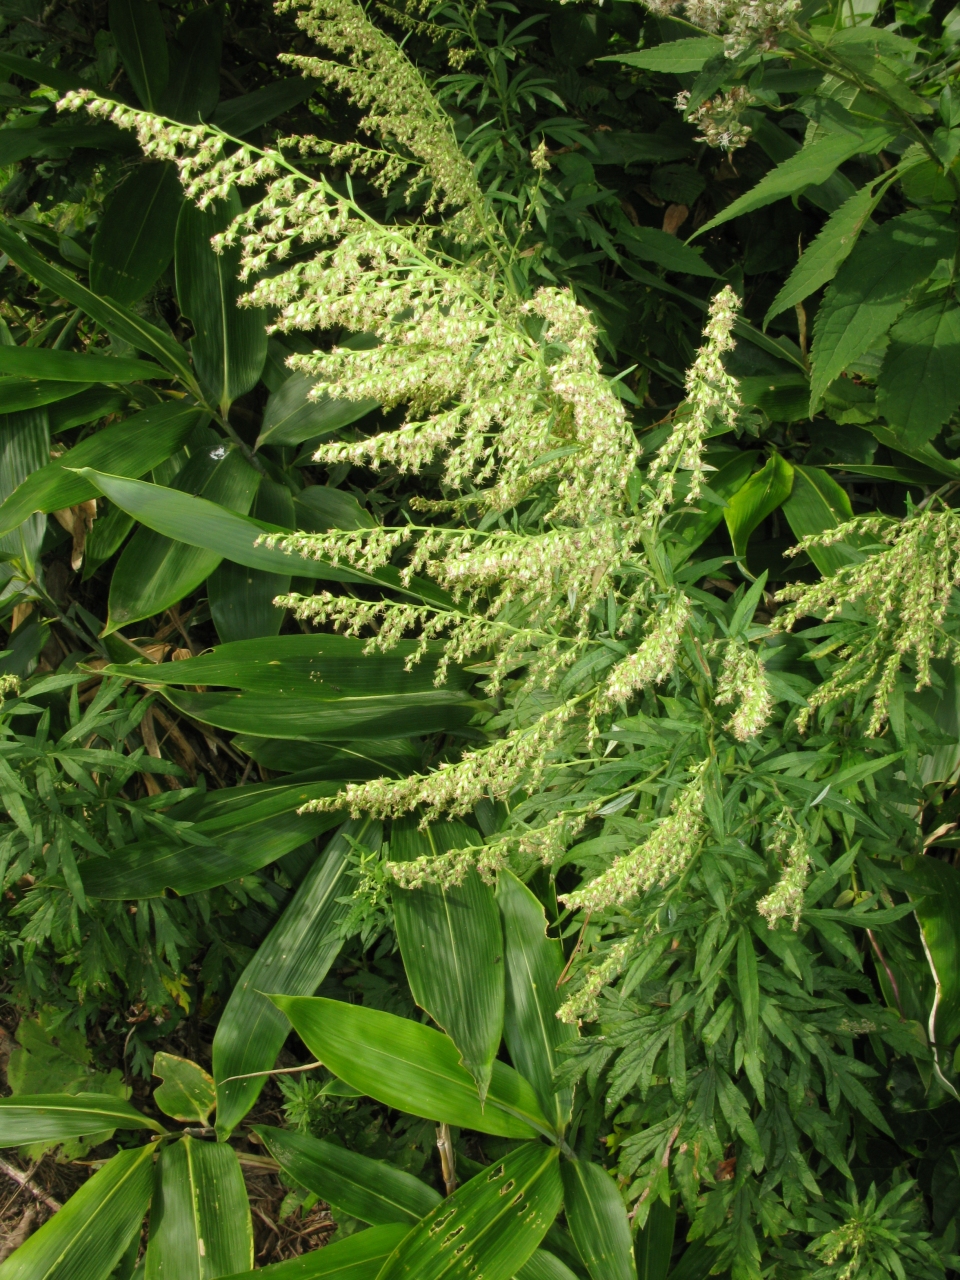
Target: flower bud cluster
[(789, 846), (584, 1004), (742, 680), (719, 119), (654, 660), (745, 24)]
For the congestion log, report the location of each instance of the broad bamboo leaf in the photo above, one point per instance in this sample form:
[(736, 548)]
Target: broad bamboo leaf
[(194, 85), (918, 388), (133, 447), (203, 524), (654, 1247), (86, 406), (823, 257), (292, 417), (329, 719), (55, 1117), (24, 449), (490, 1226), (137, 28), (784, 397), (18, 144), (534, 965), (187, 1093), (151, 867), (818, 503), (200, 1219), (134, 239), (75, 366), (597, 1218), (667, 251), (293, 959), (320, 507), (238, 116), (241, 599), (41, 73), (766, 490), (115, 318), (371, 1190), (155, 572), (675, 56), (87, 1238), (544, 1265), (810, 167), (938, 915), (358, 1257), (692, 528), (407, 1065), (29, 393), (452, 947), (229, 345), (872, 288)]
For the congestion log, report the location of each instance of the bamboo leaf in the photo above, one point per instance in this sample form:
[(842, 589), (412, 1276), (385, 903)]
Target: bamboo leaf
[(75, 366), (452, 947), (597, 1218), (938, 915), (358, 1257), (292, 417), (200, 1224), (766, 490), (534, 964), (187, 1092), (407, 1065), (87, 1238), (238, 116), (137, 28), (490, 1226), (818, 503), (133, 243), (294, 958), (371, 1190), (54, 1117), (28, 393)]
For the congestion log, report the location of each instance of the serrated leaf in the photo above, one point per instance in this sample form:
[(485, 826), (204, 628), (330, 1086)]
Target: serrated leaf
[(676, 56), (918, 388)]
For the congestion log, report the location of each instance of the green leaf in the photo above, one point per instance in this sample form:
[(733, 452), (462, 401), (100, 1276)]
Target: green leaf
[(930, 458), (358, 1257), (293, 959), (150, 867), (115, 318), (407, 1065), (87, 1238), (133, 243), (766, 490), (154, 571), (187, 1093), (319, 507), (32, 69), (24, 448), (871, 289), (667, 251), (46, 1117), (18, 144), (692, 528), (938, 915), (319, 719), (489, 1227), (597, 1218), (291, 417), (75, 366), (137, 28), (238, 116), (203, 524), (132, 447), (918, 388), (194, 86), (543, 1265), (86, 406), (200, 1219), (654, 1246), (241, 599), (823, 257), (229, 345), (677, 56), (452, 947), (534, 965), (817, 503), (371, 1190), (784, 397), (27, 393), (319, 665), (810, 167)]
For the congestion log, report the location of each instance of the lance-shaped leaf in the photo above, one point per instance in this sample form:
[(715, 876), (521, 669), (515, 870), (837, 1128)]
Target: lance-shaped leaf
[(371, 1190), (359, 1257), (200, 1219), (55, 1117), (130, 448), (938, 914), (452, 947), (293, 959), (533, 1031), (411, 1067), (116, 319), (675, 56), (817, 503), (75, 366), (187, 1092), (238, 116), (490, 1226), (597, 1218), (137, 28), (133, 242), (29, 393), (654, 1247), (203, 524), (87, 1238), (229, 345), (544, 1265), (292, 417)]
